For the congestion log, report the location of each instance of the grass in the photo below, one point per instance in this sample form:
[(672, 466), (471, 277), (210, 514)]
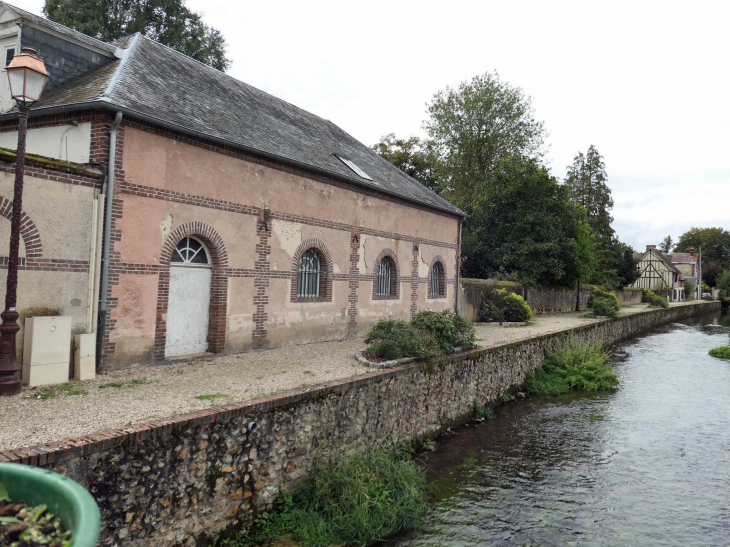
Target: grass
[(49, 392), (572, 366), (723, 352), (127, 383), (213, 397), (362, 498)]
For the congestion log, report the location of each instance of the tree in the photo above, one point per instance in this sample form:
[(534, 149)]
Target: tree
[(169, 22), (666, 244), (626, 266), (415, 157), (715, 243), (586, 180), (474, 128), (525, 225)]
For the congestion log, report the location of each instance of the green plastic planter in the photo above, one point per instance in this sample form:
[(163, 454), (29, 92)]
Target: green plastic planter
[(67, 500)]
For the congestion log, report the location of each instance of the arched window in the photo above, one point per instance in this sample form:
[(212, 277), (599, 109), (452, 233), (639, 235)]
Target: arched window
[(438, 282), (386, 277), (308, 280), (190, 251)]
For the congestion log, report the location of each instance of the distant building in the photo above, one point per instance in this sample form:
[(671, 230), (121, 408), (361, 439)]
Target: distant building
[(666, 273)]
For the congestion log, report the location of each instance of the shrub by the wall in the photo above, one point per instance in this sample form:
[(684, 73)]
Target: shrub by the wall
[(429, 333), (603, 303), (450, 330), (502, 305), (658, 302), (647, 295), (708, 298), (396, 339)]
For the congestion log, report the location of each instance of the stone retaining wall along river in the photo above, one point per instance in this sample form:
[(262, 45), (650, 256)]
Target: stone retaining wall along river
[(181, 480)]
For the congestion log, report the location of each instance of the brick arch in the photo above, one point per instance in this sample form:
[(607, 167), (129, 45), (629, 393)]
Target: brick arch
[(326, 269), (394, 282), (442, 288), (28, 229), (218, 287)]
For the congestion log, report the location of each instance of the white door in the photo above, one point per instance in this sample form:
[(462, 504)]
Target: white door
[(188, 300)]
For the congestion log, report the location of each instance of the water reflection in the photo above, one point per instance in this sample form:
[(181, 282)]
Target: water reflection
[(648, 464)]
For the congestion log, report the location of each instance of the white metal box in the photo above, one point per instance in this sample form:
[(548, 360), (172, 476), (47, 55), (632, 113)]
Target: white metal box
[(85, 356), (46, 350)]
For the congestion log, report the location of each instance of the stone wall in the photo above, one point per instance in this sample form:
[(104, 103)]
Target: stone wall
[(542, 299), (180, 480)]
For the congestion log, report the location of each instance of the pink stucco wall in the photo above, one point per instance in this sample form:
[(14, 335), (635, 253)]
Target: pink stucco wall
[(156, 161)]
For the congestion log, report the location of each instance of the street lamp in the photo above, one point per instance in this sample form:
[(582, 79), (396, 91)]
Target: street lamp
[(27, 77)]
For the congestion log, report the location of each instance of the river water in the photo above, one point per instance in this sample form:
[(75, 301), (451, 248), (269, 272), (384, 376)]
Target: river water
[(645, 465)]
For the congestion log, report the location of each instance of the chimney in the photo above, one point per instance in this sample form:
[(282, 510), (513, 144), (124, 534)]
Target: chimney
[(690, 250), (649, 247)]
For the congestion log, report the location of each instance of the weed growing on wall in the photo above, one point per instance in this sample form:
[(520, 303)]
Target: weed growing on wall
[(362, 498), (572, 366), (483, 412), (723, 352)]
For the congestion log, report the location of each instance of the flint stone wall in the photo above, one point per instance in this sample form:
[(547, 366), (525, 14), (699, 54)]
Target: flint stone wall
[(543, 299), (180, 481)]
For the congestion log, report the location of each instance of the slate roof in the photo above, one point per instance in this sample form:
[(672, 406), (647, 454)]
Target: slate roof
[(682, 258), (61, 29), (155, 81)]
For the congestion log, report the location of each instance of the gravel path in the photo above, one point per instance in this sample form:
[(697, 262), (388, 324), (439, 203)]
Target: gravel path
[(125, 397)]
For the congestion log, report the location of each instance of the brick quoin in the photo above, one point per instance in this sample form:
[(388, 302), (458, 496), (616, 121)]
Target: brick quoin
[(414, 278), (261, 282), (353, 282)]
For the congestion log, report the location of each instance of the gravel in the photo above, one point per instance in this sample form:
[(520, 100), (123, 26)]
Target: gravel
[(144, 393)]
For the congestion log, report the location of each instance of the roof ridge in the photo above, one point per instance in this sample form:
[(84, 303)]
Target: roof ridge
[(126, 54)]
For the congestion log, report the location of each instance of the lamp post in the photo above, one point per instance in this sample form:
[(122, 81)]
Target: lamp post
[(27, 77)]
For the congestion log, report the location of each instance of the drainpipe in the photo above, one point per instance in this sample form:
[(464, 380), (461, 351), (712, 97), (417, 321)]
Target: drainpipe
[(458, 268), (107, 242)]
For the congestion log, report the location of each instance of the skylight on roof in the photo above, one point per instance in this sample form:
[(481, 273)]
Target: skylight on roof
[(359, 172)]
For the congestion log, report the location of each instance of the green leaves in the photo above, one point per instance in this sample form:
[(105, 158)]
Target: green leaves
[(4, 493), (169, 22)]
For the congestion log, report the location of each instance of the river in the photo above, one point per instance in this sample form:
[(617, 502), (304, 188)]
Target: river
[(645, 465)]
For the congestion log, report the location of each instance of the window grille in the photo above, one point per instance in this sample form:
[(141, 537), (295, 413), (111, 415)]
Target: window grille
[(437, 279), (190, 251), (309, 275), (385, 277)]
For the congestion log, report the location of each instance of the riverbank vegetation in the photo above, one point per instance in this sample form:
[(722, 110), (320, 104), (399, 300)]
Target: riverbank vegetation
[(723, 352), (362, 498), (429, 333), (572, 366), (501, 305)]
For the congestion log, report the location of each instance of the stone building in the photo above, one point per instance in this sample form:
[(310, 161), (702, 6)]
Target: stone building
[(238, 221), (666, 273)]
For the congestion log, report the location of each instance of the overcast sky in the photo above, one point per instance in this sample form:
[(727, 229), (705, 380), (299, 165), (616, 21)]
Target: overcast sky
[(647, 82)]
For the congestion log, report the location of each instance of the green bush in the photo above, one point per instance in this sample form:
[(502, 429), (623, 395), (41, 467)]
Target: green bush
[(362, 498), (708, 298), (429, 333), (600, 293), (572, 366), (647, 295), (396, 339), (723, 294), (658, 302), (502, 305), (483, 412), (723, 282), (490, 313), (723, 352), (605, 307), (450, 330), (688, 287)]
